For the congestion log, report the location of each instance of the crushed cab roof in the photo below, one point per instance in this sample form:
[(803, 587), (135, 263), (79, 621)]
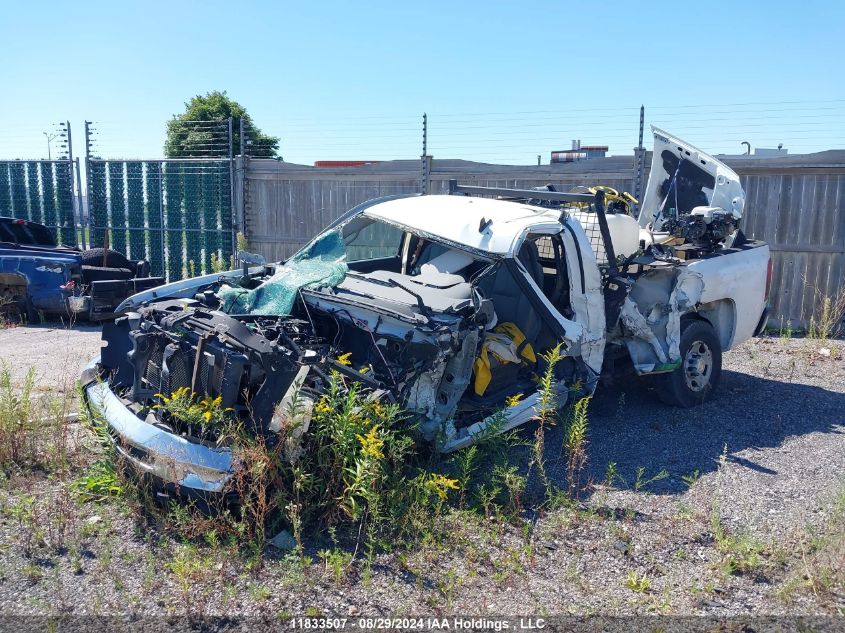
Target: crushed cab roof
[(458, 219)]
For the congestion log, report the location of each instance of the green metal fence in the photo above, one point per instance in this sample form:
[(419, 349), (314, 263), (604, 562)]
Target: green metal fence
[(40, 191), (175, 213)]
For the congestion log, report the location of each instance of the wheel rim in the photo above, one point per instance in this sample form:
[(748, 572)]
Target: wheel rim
[(698, 366)]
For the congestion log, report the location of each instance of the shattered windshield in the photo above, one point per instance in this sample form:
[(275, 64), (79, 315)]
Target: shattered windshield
[(322, 263)]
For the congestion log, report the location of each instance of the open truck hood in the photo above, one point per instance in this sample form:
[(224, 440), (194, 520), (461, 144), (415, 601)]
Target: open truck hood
[(683, 177)]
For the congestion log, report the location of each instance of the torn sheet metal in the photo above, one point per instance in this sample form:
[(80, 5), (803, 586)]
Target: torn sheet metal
[(651, 317), (638, 329), (684, 297)]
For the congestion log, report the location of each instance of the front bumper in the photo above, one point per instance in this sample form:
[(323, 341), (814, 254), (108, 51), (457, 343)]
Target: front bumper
[(150, 450)]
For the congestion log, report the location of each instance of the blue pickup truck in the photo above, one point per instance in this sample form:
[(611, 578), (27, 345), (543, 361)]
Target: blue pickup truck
[(39, 276)]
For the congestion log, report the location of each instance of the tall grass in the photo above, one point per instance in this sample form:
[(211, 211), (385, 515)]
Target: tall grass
[(546, 415), (827, 319), (37, 441), (359, 472), (34, 432)]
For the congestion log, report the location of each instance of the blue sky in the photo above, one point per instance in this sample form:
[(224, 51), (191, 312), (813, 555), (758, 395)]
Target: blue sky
[(500, 81)]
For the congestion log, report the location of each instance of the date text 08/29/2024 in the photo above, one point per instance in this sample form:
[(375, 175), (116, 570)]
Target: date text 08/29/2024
[(418, 624)]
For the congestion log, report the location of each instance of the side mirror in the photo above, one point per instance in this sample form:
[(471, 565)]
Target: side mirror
[(250, 259)]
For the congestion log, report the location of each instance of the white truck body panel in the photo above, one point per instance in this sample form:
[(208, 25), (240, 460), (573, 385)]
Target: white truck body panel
[(457, 219), (726, 191), (739, 277)]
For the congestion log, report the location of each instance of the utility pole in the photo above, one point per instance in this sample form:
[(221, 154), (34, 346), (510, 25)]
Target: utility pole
[(49, 138)]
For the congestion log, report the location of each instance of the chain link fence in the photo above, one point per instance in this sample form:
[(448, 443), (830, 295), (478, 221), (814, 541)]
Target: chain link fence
[(40, 191), (175, 213)]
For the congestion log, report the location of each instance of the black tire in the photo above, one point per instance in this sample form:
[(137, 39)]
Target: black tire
[(113, 259), (701, 367), (97, 273)]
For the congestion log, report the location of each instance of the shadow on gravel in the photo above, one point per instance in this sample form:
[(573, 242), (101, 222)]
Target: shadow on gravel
[(629, 426)]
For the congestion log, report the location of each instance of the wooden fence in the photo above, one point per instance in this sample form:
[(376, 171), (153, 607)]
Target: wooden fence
[(800, 211), (796, 204)]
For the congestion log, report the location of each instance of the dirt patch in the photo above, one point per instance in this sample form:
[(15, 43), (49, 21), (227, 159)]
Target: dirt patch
[(57, 353)]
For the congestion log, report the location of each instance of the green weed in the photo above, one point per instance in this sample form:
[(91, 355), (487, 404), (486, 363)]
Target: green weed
[(741, 553), (336, 562), (641, 481), (691, 478), (637, 583), (99, 483), (576, 446), (546, 412)]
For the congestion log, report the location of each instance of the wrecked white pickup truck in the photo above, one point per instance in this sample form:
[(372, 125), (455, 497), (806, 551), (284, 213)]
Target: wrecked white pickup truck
[(446, 304)]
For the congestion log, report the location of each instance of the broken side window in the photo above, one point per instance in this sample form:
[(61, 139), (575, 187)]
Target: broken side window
[(376, 243)]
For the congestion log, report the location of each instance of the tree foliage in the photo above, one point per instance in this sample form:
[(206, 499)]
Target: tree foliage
[(188, 139)]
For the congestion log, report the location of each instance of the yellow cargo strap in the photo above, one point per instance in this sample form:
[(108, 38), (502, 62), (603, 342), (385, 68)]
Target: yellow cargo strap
[(497, 343)]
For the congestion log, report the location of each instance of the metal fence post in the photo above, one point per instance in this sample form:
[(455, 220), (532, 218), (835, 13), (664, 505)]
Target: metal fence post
[(242, 136), (425, 172), (639, 164), (232, 209), (164, 255), (239, 201), (79, 211), (74, 175), (90, 240)]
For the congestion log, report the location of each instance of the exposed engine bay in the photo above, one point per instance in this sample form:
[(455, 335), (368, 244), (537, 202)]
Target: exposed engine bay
[(705, 227), (691, 196)]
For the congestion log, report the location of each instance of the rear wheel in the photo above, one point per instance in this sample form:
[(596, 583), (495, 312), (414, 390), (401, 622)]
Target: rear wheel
[(701, 367)]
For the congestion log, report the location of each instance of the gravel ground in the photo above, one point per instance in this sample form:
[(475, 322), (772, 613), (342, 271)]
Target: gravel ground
[(56, 353), (764, 459)]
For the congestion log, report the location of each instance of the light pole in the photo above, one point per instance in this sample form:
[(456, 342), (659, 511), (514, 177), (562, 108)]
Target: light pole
[(49, 138)]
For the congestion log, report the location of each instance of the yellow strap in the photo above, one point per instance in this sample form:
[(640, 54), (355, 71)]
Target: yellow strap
[(481, 365), (518, 338), (483, 375)]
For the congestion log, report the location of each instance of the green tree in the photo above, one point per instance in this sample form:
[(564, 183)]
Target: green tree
[(192, 133)]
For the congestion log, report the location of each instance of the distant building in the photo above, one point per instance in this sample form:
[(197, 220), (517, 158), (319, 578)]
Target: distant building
[(770, 151), (760, 152), (344, 163), (579, 152)]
